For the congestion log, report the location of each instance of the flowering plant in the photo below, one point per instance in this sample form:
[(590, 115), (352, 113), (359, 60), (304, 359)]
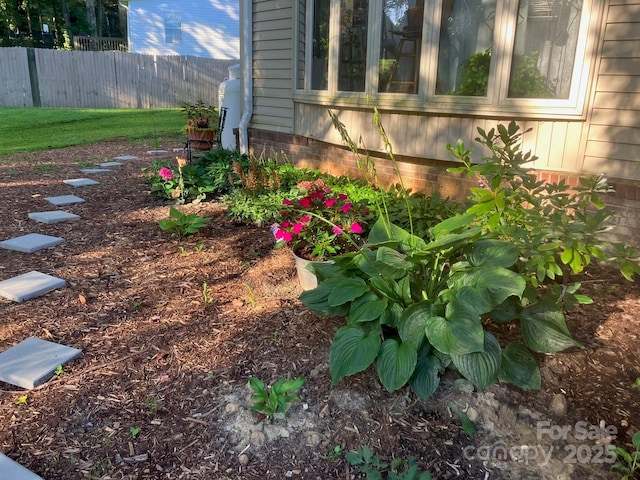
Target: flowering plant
[(322, 222)]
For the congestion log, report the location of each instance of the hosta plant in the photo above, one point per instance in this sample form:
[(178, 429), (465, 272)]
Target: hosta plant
[(276, 399), (183, 224)]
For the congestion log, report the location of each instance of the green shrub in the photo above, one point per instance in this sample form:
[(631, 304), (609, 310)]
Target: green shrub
[(416, 306)]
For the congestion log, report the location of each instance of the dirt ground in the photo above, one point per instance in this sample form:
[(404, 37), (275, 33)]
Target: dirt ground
[(161, 391)]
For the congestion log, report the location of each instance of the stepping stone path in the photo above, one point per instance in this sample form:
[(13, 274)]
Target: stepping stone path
[(55, 216), (63, 200), (34, 361), (31, 243), (90, 171), (14, 471), (81, 182), (29, 285)]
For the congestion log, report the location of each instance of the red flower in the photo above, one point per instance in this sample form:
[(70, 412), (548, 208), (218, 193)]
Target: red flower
[(330, 203), (346, 207), (305, 202), (356, 227)]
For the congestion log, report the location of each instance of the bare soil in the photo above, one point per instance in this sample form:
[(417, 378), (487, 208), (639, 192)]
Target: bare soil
[(161, 392)]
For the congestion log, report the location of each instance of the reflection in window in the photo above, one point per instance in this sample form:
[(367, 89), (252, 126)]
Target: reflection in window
[(302, 39), (353, 45), (464, 55), (545, 48), (400, 46), (320, 55), (172, 28)]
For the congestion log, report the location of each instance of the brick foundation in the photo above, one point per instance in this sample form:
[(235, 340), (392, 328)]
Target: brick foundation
[(431, 176)]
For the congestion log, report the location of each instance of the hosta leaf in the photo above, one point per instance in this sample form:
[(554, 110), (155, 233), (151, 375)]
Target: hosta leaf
[(396, 363), (544, 329), (391, 315), (366, 308), (519, 367), (493, 252), (451, 225), (348, 290), (352, 351), (495, 285), (426, 377), (318, 298), (380, 235), (412, 323), (481, 368), (460, 332)]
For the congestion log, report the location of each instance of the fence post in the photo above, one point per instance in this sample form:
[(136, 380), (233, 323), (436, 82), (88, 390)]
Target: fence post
[(33, 78)]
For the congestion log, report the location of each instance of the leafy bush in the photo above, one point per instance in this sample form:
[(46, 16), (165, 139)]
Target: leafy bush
[(183, 224), (204, 176), (417, 306)]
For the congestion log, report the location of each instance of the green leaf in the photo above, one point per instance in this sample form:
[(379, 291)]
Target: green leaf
[(481, 368), (366, 308), (391, 316), (451, 225), (349, 289), (391, 263), (519, 367), (494, 284), (426, 376), (411, 326), (396, 363), (460, 332), (636, 440), (257, 385), (380, 235), (318, 298), (285, 386), (493, 252), (544, 329), (352, 351)]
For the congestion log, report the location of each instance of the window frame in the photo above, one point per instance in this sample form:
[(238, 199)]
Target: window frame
[(169, 20), (496, 103)]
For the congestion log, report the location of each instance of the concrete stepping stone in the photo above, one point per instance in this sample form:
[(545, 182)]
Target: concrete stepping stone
[(110, 164), (14, 471), (31, 243), (125, 157), (34, 361), (81, 182), (63, 200), (95, 171), (158, 152), (29, 285), (54, 216)]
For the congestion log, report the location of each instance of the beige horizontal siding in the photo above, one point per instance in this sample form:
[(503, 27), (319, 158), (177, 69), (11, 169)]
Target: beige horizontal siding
[(273, 66)]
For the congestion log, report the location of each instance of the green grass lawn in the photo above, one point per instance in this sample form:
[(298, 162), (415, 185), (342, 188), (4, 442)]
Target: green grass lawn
[(32, 129)]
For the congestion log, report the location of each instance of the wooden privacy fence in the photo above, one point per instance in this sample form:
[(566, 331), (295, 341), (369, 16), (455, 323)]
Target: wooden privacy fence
[(59, 78)]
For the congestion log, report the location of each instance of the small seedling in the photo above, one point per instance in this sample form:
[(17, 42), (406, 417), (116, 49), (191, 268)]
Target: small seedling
[(274, 400), (628, 462), (467, 425), (21, 400), (335, 452), (207, 297), (134, 432), (182, 224), (58, 371), (637, 383), (182, 250), (251, 298), (151, 403), (373, 467), (199, 247)]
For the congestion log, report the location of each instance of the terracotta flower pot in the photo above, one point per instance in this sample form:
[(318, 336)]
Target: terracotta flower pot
[(201, 138)]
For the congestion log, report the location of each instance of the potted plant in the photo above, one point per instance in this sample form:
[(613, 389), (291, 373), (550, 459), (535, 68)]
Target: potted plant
[(320, 224), (202, 124)]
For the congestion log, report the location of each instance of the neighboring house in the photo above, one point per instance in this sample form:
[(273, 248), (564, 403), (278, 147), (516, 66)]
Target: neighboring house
[(201, 28), (567, 69)]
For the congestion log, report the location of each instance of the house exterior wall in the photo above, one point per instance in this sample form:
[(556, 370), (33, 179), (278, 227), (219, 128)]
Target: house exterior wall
[(606, 139), (209, 28)]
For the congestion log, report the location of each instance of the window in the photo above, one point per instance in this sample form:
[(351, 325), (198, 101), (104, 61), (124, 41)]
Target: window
[(172, 28), (446, 54)]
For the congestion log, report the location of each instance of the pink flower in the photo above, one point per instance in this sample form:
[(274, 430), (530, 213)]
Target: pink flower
[(286, 224), (346, 207), (356, 227), (330, 203), (286, 201), (305, 202), (337, 229), (297, 228), (165, 173), (287, 237), (342, 196), (305, 219)]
